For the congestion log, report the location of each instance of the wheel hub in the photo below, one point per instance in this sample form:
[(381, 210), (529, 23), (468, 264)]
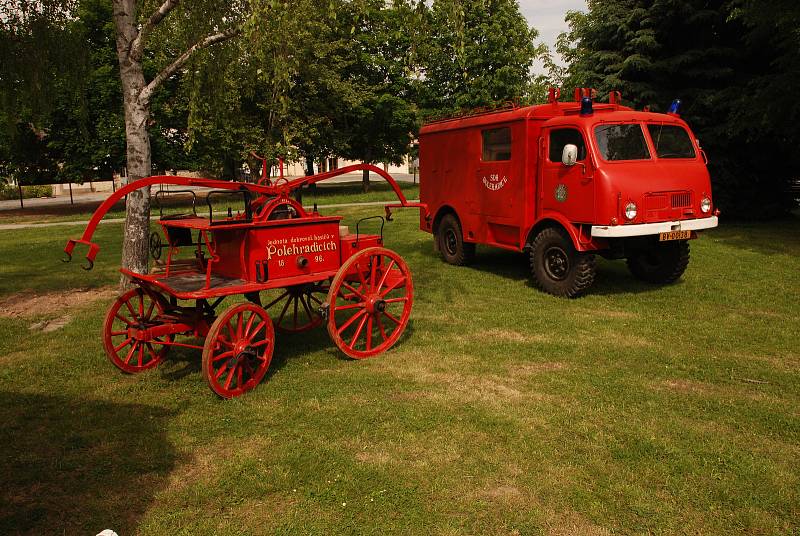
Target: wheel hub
[(556, 263), (375, 304), (451, 242)]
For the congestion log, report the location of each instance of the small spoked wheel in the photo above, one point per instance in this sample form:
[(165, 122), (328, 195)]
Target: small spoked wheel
[(369, 302), (238, 350), (127, 339), (296, 309)]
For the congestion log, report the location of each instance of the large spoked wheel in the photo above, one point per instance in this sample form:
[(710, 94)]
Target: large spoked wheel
[(450, 241), (124, 340), (557, 267), (369, 302), (238, 350), (296, 308), (660, 263)]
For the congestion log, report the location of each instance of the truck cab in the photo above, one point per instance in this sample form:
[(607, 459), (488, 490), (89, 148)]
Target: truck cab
[(566, 181)]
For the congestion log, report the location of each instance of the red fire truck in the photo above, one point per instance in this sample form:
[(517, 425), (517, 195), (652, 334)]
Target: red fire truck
[(566, 181)]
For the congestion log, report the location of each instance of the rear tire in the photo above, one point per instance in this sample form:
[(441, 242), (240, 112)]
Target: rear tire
[(660, 263), (450, 241), (557, 267)]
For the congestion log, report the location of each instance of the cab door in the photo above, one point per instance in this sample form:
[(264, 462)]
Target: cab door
[(566, 189)]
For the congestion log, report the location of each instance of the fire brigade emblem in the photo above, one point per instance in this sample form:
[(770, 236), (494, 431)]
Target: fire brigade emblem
[(494, 181), (561, 193)]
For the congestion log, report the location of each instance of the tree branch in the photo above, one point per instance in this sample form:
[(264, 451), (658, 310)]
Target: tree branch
[(137, 47), (169, 70)]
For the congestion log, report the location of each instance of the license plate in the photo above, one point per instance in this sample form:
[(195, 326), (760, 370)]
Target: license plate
[(674, 235)]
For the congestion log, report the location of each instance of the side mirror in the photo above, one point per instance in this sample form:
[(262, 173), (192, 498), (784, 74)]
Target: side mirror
[(569, 157)]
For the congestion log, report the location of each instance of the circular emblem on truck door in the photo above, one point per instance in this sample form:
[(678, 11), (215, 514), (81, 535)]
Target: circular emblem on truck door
[(561, 193)]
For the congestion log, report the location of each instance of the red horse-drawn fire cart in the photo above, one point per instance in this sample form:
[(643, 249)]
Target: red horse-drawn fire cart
[(297, 269)]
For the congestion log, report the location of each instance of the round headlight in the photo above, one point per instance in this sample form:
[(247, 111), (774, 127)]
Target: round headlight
[(705, 205), (630, 211)]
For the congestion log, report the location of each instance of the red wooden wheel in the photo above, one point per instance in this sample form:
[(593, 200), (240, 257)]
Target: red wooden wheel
[(369, 302), (238, 350), (296, 308), (132, 313)]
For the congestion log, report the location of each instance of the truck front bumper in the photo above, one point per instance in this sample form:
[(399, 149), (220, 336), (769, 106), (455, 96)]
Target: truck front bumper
[(644, 229)]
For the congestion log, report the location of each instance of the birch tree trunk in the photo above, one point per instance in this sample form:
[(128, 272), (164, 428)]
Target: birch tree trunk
[(137, 92), (137, 114)]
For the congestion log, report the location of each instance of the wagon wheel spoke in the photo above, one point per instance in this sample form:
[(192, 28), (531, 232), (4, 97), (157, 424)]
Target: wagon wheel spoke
[(397, 300), (249, 326), (307, 308), (350, 306), (369, 332), (150, 309), (349, 287), (392, 318), (385, 275), (124, 343), (151, 351), (393, 286), (141, 306), (358, 331), (130, 353), (380, 327), (239, 326), (352, 319), (122, 318), (276, 300), (223, 355), (294, 318), (258, 344), (230, 377), (133, 313)]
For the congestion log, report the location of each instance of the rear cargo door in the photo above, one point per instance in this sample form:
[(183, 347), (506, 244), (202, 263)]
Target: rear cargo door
[(566, 189), (494, 181)]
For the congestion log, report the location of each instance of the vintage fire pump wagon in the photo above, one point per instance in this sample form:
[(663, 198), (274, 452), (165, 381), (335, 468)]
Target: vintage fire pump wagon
[(565, 181), (296, 269)]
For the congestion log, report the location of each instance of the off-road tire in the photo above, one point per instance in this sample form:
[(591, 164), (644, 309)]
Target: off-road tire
[(557, 267), (661, 263), (450, 242)]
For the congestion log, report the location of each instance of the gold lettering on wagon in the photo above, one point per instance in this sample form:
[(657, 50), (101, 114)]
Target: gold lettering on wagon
[(298, 245)]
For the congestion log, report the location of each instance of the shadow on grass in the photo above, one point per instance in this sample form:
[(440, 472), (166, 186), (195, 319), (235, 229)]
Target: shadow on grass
[(779, 237), (78, 466), (612, 277)]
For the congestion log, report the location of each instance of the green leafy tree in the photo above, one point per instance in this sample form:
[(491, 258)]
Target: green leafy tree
[(730, 64), (478, 53)]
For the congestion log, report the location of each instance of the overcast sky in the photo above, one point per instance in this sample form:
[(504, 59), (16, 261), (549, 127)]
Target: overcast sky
[(547, 16)]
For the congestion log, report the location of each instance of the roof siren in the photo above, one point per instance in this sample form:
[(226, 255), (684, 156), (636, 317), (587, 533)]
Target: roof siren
[(675, 108), (586, 106)]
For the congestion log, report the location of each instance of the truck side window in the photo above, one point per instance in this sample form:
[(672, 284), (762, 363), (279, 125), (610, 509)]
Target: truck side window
[(496, 144), (561, 137)]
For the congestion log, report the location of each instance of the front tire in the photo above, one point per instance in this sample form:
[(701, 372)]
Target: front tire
[(661, 262), (557, 267), (450, 241)]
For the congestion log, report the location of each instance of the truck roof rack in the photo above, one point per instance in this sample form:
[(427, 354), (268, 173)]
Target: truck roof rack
[(483, 110)]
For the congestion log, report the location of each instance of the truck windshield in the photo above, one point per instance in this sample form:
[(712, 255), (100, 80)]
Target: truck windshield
[(671, 141), (621, 142)]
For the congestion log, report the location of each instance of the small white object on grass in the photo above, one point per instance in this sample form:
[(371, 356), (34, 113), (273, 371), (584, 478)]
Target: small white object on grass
[(108, 532)]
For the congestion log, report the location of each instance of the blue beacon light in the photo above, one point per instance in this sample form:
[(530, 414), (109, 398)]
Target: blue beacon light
[(675, 107), (586, 106)]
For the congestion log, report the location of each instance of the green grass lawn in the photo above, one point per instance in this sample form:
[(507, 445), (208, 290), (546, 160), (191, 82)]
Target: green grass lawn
[(503, 410)]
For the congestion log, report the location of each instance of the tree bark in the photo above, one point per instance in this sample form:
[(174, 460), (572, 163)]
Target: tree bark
[(137, 93), (365, 180), (137, 113)]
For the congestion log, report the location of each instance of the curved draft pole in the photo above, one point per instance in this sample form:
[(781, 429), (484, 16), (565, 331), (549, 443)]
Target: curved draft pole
[(101, 211), (282, 189)]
